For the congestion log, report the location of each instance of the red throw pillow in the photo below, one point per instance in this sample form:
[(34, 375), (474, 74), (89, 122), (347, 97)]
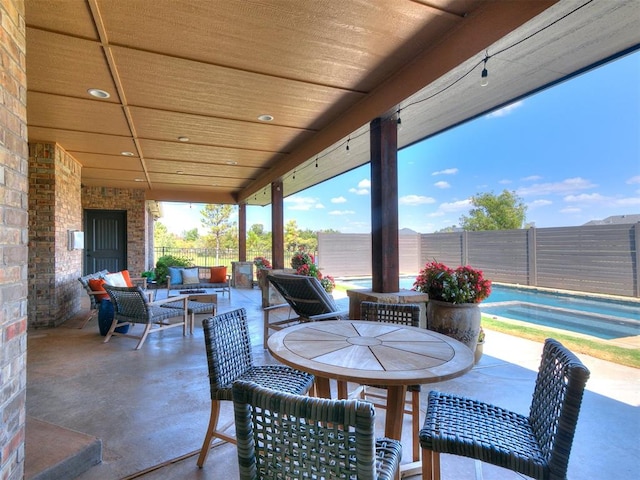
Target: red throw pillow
[(218, 275), (95, 284)]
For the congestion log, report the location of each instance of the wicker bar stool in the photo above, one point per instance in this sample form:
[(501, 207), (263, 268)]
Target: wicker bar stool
[(291, 436), (537, 446), (229, 358)]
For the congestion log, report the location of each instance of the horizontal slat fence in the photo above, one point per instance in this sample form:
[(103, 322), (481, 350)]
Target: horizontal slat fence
[(595, 258)]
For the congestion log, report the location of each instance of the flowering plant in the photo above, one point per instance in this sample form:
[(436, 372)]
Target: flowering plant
[(301, 258), (304, 264), (261, 262), (462, 285)]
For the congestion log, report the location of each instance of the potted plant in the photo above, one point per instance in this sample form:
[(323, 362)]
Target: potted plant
[(304, 264), (454, 295)]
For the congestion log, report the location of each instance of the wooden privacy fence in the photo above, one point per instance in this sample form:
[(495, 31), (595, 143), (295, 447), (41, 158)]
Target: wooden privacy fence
[(594, 258)]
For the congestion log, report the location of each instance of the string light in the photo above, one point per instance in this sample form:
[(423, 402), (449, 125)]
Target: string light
[(294, 174), (316, 162), (348, 140), (484, 79), (399, 121)]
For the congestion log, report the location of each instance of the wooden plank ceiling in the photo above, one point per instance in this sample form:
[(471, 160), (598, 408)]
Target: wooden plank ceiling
[(189, 80)]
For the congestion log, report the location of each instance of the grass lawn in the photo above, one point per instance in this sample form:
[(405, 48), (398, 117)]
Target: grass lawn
[(595, 348)]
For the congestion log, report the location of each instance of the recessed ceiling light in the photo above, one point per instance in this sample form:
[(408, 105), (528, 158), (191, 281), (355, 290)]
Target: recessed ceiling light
[(231, 162), (265, 118), (127, 154), (183, 139), (179, 172), (138, 179), (96, 92)]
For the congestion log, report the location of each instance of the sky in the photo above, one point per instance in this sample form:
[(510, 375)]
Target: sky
[(571, 153)]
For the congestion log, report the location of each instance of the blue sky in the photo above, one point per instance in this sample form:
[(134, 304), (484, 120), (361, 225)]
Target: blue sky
[(572, 153)]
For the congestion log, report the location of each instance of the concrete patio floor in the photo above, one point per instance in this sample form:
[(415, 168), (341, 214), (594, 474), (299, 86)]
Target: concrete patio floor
[(150, 407)]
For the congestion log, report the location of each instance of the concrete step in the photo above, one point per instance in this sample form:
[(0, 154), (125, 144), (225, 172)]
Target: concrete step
[(53, 452)]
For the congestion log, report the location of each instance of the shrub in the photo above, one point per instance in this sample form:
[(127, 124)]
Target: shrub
[(163, 264)]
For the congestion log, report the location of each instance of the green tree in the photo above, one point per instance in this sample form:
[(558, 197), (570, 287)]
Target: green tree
[(217, 219), (502, 212), (258, 240), (162, 237), (191, 235)]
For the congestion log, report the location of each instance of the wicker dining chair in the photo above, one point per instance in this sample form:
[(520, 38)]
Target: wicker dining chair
[(131, 306), (537, 446), (229, 358), (281, 435), (403, 314)]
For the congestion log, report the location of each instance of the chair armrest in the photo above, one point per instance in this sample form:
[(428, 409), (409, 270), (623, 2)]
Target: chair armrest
[(324, 316), (177, 298), (142, 280), (275, 307)]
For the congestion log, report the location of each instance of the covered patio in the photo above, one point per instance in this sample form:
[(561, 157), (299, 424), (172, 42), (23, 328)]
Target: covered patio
[(150, 407)]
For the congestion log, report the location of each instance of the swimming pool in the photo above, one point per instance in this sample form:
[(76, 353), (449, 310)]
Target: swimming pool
[(599, 317)]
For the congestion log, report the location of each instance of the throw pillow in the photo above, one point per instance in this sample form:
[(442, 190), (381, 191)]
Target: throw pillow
[(175, 275), (218, 274), (95, 284), (127, 278), (190, 276), (115, 279)]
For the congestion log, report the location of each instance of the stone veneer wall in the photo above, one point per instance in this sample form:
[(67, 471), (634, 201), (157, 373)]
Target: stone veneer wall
[(54, 209), (13, 239), (133, 201)]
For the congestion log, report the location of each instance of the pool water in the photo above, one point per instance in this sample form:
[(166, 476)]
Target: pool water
[(599, 317)]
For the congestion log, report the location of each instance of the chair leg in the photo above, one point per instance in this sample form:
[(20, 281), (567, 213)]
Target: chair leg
[(92, 314), (415, 424), (427, 464), (213, 432), (147, 329), (109, 334)]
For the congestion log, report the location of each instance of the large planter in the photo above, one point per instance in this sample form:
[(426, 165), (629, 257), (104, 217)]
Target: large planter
[(459, 321)]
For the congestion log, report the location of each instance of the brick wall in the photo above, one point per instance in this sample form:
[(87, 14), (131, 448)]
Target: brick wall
[(13, 239), (54, 209), (133, 201)]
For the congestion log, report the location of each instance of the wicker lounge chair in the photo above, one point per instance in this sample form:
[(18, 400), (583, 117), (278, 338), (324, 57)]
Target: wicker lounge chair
[(290, 436), (306, 297), (403, 314), (193, 308), (537, 446), (230, 359), (132, 306)]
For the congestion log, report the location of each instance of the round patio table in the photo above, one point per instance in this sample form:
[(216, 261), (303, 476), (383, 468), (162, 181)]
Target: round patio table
[(371, 353)]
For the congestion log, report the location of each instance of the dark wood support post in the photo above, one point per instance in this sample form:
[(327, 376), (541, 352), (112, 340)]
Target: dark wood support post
[(277, 225), (384, 205), (242, 232)]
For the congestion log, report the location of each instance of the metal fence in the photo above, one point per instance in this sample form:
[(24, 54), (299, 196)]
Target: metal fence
[(209, 257)]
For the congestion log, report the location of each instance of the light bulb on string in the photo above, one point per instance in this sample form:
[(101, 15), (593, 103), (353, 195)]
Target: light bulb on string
[(316, 162), (484, 79), (294, 174), (348, 140), (399, 121)]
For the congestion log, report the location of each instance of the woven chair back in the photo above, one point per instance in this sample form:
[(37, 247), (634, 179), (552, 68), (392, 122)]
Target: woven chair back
[(556, 404), (84, 281), (305, 295), (403, 314), (228, 346), (129, 302), (290, 436)]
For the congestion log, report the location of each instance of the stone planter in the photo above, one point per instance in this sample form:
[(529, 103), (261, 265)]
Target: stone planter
[(459, 321)]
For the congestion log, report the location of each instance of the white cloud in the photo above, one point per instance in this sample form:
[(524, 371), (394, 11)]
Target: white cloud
[(442, 184), (413, 200), (570, 210), (565, 187), (584, 198), (448, 171), (339, 199), (532, 178), (458, 206), (302, 203), (633, 180), (504, 111), (601, 201), (504, 182), (342, 212), (540, 203), (363, 187)]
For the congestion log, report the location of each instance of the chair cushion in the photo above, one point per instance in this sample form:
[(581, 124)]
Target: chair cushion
[(95, 284), (115, 279), (127, 278), (175, 275), (218, 274), (190, 276)]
